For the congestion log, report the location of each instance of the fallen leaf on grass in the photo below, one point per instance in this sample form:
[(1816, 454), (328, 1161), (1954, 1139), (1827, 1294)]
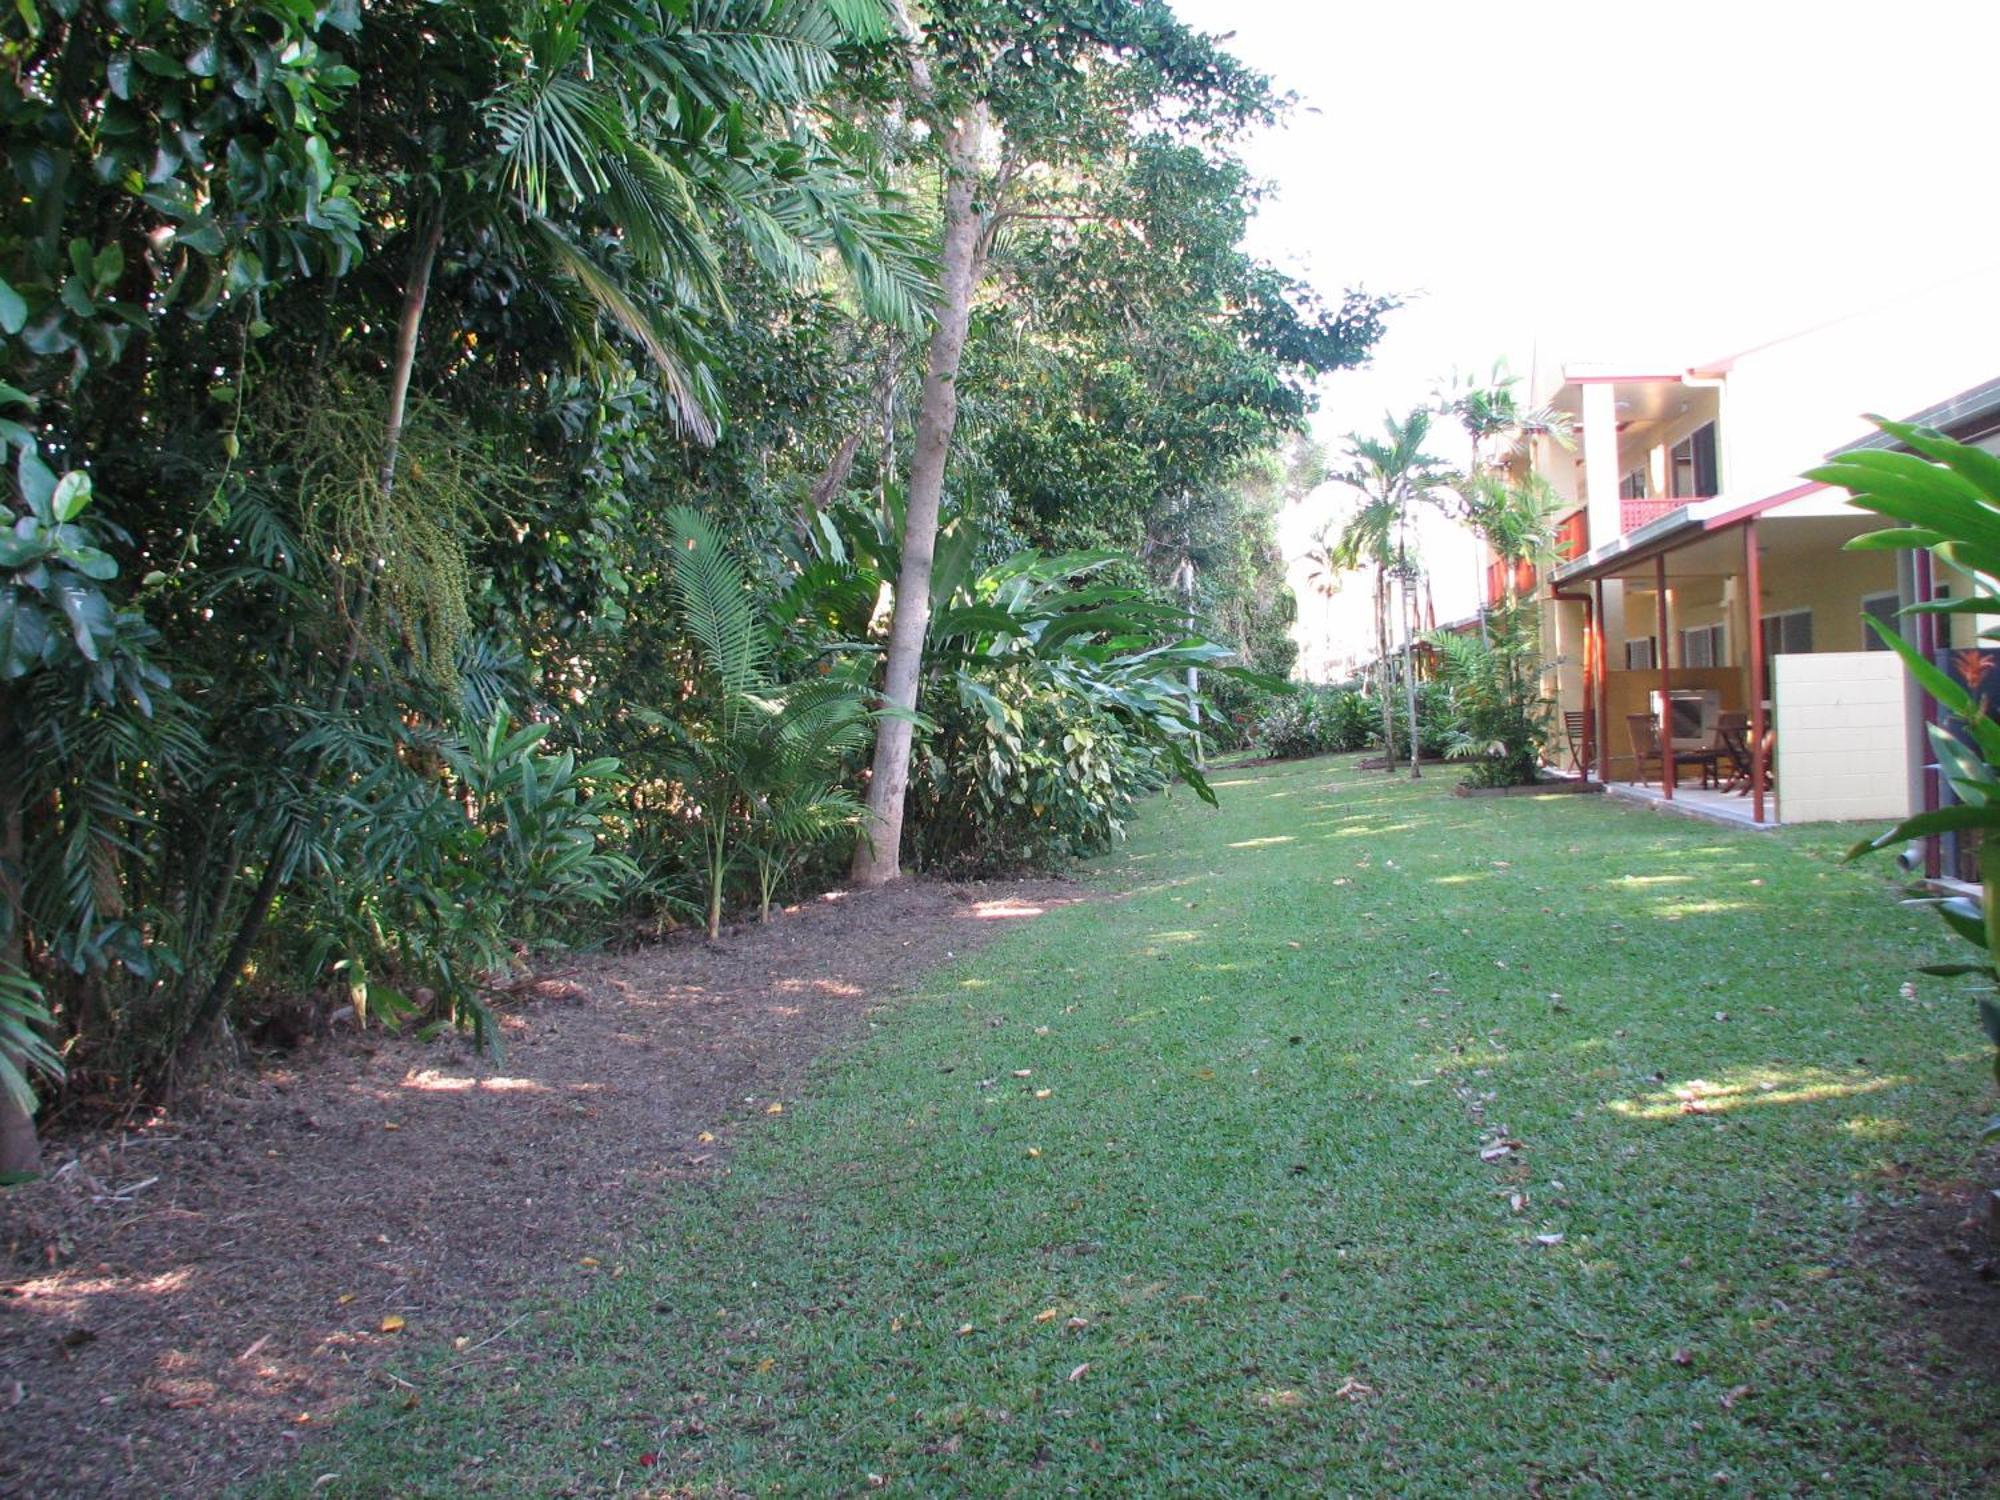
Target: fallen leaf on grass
[(1354, 1390), (1683, 1357), (1047, 1315), (1079, 1372), (1278, 1400), (393, 1323), (774, 1109), (1034, 1151), (1735, 1395), (1077, 1325), (766, 1365), (346, 1297), (1043, 1093), (707, 1138), (1024, 1072), (1548, 1239), (1517, 1202), (965, 1329), (589, 1263)]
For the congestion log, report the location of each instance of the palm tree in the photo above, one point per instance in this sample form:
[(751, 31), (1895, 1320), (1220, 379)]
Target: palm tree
[(1498, 428), (1393, 475)]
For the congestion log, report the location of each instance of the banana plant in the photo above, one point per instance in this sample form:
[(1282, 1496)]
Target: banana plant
[(1945, 495)]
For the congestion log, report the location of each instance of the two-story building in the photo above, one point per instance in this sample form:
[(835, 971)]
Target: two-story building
[(1705, 626)]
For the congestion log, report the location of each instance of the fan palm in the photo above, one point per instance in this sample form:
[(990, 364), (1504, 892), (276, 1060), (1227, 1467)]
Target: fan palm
[(757, 768)]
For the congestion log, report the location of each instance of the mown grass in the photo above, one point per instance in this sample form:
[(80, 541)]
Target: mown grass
[(1272, 1059)]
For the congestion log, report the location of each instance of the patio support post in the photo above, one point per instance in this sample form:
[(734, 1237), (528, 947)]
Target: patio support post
[(1670, 773), (1595, 690), (1753, 588), (1591, 647)]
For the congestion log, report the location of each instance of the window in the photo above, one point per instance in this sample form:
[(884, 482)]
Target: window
[(1695, 473), (1640, 655), (1633, 486), (1880, 608), (1704, 647), (1788, 634)]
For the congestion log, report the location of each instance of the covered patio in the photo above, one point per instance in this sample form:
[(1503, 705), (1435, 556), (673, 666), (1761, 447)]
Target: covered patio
[(1674, 633)]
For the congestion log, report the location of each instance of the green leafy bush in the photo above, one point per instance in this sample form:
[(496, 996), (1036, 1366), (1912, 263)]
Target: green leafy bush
[(1315, 721), (423, 892), (1502, 719)]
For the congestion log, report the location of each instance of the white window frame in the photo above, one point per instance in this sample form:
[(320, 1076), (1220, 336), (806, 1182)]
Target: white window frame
[(1652, 645)]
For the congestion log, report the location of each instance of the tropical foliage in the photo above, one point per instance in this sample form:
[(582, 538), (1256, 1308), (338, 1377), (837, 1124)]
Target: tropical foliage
[(1945, 497), (463, 463)]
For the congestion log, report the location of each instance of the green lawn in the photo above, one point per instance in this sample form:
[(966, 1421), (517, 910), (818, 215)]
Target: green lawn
[(1248, 1242)]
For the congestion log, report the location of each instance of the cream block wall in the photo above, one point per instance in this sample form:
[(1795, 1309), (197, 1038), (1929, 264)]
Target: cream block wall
[(1843, 736)]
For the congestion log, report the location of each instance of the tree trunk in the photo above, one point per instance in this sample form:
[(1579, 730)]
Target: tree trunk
[(877, 854), (416, 293), (1410, 670), (1385, 690), (20, 1149)]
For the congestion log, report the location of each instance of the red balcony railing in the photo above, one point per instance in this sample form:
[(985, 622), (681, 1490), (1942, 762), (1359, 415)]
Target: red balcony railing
[(1573, 535), (1496, 580), (1632, 514)]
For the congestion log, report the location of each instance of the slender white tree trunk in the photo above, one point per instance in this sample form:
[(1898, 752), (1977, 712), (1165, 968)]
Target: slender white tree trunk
[(1410, 669), (1385, 688), (877, 855)]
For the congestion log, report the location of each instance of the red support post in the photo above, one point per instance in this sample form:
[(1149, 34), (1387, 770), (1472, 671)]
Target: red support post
[(1670, 774), (1591, 647), (1753, 587), (1598, 694)]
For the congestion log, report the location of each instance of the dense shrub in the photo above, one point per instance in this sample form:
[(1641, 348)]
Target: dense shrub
[(1054, 776), (1439, 720), (1500, 719), (1315, 721)]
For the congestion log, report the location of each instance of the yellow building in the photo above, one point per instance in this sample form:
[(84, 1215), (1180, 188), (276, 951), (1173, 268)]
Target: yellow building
[(1705, 627)]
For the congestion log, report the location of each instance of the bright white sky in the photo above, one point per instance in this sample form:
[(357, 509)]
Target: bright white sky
[(1591, 179)]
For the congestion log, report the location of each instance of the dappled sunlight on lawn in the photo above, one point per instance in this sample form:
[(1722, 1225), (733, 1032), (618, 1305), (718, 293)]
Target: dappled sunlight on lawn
[(1746, 1088), (1652, 880), (1276, 838), (1673, 911), (1178, 935)]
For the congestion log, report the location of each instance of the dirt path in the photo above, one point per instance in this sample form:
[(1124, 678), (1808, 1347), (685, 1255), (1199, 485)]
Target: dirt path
[(186, 1304)]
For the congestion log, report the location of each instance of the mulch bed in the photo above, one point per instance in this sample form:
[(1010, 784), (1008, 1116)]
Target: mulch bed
[(1941, 1249), (188, 1302)]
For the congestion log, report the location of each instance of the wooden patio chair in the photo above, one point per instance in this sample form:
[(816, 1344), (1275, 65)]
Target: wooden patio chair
[(1574, 733), (1645, 732)]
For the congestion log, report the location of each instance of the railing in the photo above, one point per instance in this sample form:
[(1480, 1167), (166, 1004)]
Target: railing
[(1573, 535), (1632, 514), (1496, 580)]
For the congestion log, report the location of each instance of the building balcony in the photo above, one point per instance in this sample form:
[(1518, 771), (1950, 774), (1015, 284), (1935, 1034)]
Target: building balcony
[(1573, 535), (1497, 580), (1632, 514)]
